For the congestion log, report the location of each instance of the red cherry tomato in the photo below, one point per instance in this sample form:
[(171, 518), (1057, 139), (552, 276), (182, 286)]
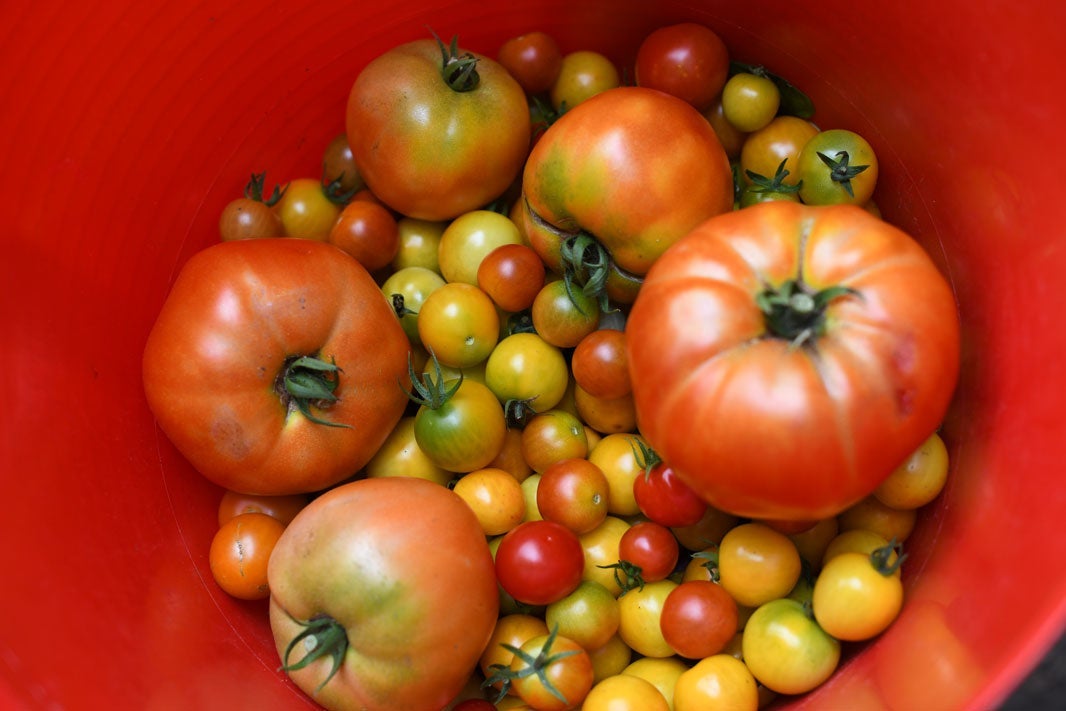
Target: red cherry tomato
[(539, 562)]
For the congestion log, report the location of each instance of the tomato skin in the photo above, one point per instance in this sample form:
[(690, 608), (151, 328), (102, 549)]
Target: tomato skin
[(600, 365), (416, 624), (240, 551), (533, 59), (400, 119), (567, 668), (664, 498), (853, 600), (717, 682), (623, 692), (786, 650), (820, 187), (676, 176), (512, 275), (368, 232), (234, 318), (466, 432), (539, 562), (573, 492), (582, 75), (639, 621), (687, 60), (888, 359), (283, 508), (699, 618), (652, 547), (306, 211)]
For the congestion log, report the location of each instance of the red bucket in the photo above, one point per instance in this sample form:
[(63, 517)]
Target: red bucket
[(127, 126)]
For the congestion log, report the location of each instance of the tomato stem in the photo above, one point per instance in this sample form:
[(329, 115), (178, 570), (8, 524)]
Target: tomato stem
[(321, 636), (840, 171), (776, 184), (254, 190), (308, 381), (538, 665), (646, 457), (459, 70), (882, 558), (795, 312), (710, 561), (430, 390), (628, 575)]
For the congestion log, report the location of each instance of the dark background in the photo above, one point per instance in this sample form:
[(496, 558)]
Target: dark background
[(1045, 687)]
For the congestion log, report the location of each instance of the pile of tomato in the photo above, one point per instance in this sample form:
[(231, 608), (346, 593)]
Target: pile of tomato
[(558, 391)]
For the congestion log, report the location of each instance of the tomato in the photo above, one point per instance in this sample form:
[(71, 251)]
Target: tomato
[(495, 498), (786, 650), (533, 59), (240, 551), (856, 540), (614, 454), (474, 705), (618, 179), (409, 628), (813, 542), (757, 564), (599, 364), (419, 243), (589, 615), (573, 492), (468, 239), (368, 232), (661, 673), (837, 166), (412, 285), (273, 365), (283, 508), (872, 515), (698, 619), (640, 610), (606, 415), (829, 350), (400, 455), (750, 101), (919, 479), (459, 324), (530, 485), (512, 275), (510, 458), (563, 314), (307, 210), (526, 368), (780, 140), (709, 530), (552, 673), (758, 188), (539, 562), (624, 693), (717, 682), (251, 216), (610, 659), (858, 596), (660, 493), (600, 549), (512, 630), (553, 436), (431, 140), (339, 165), (651, 549), (582, 75), (731, 137), (687, 60), (459, 423)]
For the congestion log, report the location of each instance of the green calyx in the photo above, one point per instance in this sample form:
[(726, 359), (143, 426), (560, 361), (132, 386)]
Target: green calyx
[(776, 184), (306, 382), (531, 665), (629, 576), (795, 312), (645, 457), (888, 559), (840, 169), (710, 561), (254, 190), (586, 266), (458, 70), (321, 637), (431, 390)]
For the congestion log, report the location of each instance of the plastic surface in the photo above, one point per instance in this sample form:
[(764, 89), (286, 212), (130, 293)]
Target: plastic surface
[(127, 126)]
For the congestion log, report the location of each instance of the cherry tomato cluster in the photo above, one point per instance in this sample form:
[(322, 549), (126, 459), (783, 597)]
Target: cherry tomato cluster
[(619, 586)]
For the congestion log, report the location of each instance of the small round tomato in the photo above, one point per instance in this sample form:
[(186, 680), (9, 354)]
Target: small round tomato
[(338, 165), (495, 497), (661, 673), (513, 630), (720, 681), (468, 239), (813, 542), (858, 596), (919, 479), (837, 166), (573, 492), (607, 416), (407, 289), (251, 216), (614, 455), (640, 611), (757, 564), (459, 324), (400, 455), (512, 275), (589, 615), (709, 530), (786, 650), (551, 437), (699, 618), (750, 101), (306, 210), (419, 243), (780, 140), (563, 314), (600, 546), (459, 424), (240, 551), (624, 692), (660, 493), (552, 673), (533, 59), (368, 232), (731, 137), (524, 367), (583, 74), (872, 515), (539, 562), (687, 60), (283, 508), (600, 365), (651, 548), (510, 458)]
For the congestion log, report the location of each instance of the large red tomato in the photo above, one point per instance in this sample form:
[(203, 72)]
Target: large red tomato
[(618, 179), (388, 586), (274, 365), (785, 358), (431, 139)]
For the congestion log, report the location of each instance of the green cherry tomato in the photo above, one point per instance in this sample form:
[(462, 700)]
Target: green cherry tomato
[(837, 166), (785, 648), (750, 101)]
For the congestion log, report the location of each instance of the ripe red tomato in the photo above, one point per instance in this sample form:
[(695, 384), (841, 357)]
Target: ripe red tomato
[(407, 628), (661, 494), (431, 142), (273, 365), (687, 60), (368, 232), (533, 59), (699, 618), (828, 351), (539, 562), (512, 275), (600, 365), (651, 547), (616, 180), (573, 492)]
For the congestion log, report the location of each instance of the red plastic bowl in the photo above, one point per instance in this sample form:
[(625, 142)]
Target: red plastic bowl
[(127, 126)]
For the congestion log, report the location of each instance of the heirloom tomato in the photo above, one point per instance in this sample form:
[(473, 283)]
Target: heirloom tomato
[(273, 365), (818, 345), (436, 131), (618, 179), (362, 617)]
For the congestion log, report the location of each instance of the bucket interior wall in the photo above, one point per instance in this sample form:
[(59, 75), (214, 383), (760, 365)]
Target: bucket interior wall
[(127, 127)]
